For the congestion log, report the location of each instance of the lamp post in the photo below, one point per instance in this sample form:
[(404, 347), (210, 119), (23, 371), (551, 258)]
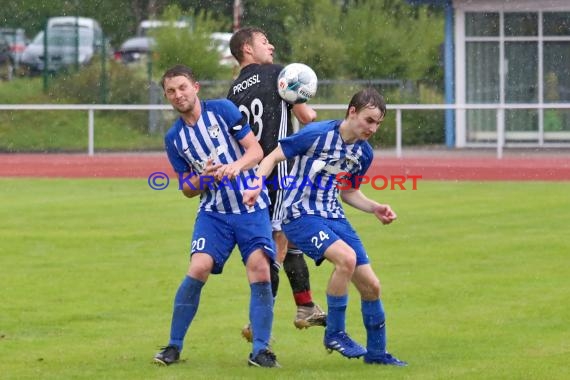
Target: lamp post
[(45, 70), (238, 12), (76, 35)]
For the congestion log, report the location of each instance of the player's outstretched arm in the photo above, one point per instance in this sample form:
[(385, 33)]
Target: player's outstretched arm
[(358, 200), (304, 113), (265, 168)]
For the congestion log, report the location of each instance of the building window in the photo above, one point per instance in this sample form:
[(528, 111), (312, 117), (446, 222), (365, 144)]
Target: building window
[(521, 24), (556, 24), (556, 76), (482, 71), (481, 24), (524, 43), (556, 79)]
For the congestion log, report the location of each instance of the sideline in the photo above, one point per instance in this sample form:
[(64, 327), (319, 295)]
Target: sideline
[(450, 165)]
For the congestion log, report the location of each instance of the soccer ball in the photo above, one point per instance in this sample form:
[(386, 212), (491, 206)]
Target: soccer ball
[(297, 83)]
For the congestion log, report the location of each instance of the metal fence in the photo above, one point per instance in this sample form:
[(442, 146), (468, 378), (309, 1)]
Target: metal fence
[(398, 108)]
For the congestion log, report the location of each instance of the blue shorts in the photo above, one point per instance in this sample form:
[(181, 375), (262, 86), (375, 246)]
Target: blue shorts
[(217, 234), (314, 234)]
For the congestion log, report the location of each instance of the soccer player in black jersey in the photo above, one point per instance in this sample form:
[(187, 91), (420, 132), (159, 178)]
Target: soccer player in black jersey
[(254, 91)]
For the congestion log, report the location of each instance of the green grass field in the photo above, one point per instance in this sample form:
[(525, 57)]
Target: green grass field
[(475, 285)]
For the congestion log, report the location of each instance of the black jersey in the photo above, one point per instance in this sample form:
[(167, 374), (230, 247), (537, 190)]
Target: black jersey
[(255, 93)]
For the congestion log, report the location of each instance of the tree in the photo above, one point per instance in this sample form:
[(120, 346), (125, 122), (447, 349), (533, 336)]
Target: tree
[(318, 44), (276, 18), (338, 38), (370, 40), (191, 47), (388, 44)]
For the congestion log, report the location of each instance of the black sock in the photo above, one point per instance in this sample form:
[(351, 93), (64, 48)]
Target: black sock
[(298, 274), (274, 272)]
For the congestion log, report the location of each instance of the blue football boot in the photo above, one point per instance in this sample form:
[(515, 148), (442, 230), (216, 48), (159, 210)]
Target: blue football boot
[(386, 359), (341, 342)]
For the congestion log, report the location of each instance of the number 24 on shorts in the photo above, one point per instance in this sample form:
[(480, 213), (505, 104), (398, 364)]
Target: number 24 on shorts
[(318, 240)]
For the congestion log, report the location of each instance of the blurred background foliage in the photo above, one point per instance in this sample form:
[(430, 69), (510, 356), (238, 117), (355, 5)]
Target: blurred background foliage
[(339, 38), (350, 44), (189, 46)]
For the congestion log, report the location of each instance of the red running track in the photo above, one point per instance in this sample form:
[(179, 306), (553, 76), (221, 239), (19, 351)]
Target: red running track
[(434, 167)]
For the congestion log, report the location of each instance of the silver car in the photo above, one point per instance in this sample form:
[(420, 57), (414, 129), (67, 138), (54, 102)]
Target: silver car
[(66, 46), (135, 50)]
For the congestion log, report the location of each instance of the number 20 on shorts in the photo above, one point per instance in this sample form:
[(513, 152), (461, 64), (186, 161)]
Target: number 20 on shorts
[(198, 244)]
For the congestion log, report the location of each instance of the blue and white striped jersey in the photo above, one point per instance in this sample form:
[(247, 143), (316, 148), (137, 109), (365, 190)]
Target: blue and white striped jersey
[(320, 156), (216, 135)]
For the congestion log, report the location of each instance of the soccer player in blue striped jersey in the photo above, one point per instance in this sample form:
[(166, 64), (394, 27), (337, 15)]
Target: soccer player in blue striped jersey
[(328, 156), (214, 152)]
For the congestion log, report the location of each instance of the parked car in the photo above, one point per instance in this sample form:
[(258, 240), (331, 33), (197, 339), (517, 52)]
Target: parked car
[(6, 61), (135, 49), (17, 39), (70, 40)]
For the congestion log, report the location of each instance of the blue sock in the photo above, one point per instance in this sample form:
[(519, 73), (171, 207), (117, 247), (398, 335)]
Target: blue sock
[(375, 323), (261, 315), (185, 306), (336, 317)]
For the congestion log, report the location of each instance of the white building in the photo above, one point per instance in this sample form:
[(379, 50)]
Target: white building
[(507, 54)]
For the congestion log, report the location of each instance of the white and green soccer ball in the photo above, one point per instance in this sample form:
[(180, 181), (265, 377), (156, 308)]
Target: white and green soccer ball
[(297, 83)]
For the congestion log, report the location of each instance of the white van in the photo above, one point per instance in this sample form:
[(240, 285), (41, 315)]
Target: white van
[(71, 21), (68, 39)]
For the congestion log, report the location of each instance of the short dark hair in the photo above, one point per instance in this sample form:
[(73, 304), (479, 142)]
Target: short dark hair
[(367, 97), (178, 71), (241, 37)]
